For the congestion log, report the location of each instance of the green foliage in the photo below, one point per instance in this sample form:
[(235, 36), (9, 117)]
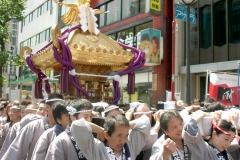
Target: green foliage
[(17, 61), (4, 33), (27, 71), (4, 57), (9, 9), (2, 79)]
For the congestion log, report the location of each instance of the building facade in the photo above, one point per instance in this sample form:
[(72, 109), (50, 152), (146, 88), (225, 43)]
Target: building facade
[(122, 18), (34, 32), (214, 44)]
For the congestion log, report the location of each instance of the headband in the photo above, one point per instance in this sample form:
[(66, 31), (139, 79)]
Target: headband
[(73, 111), (31, 109), (109, 109), (15, 107), (224, 132), (54, 99), (142, 112)]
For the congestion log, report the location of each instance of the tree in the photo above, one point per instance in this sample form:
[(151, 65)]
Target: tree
[(8, 9)]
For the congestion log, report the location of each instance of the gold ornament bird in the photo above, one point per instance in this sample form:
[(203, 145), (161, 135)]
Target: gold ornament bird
[(72, 15)]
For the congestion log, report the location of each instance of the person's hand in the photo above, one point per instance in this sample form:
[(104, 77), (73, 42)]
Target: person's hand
[(158, 115), (233, 117), (169, 146), (1, 126), (217, 114), (195, 108), (129, 114), (198, 115)]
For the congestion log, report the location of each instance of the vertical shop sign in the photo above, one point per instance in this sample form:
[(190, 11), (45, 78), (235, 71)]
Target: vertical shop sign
[(154, 82), (153, 7)]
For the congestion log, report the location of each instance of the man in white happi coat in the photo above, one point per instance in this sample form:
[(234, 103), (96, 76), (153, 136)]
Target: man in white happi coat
[(15, 131), (64, 147), (23, 145), (118, 144), (62, 118)]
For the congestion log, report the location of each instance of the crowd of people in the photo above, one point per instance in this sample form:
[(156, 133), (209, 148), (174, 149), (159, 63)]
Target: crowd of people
[(58, 129)]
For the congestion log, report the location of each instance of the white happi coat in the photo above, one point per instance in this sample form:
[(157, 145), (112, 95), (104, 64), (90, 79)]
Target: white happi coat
[(9, 138), (94, 149), (61, 148), (15, 131), (200, 149), (23, 145)]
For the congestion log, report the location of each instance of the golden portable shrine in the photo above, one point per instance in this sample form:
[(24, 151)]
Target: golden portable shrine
[(84, 58)]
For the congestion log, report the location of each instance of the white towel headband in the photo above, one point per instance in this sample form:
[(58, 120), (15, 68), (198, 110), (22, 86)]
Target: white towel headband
[(73, 111), (54, 99), (143, 112)]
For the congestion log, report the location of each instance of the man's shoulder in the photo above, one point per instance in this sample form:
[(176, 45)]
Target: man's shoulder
[(62, 137), (48, 132), (35, 124)]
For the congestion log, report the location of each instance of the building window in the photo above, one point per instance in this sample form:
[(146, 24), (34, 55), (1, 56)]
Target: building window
[(102, 20), (142, 6), (130, 8), (38, 38), (128, 36), (206, 55), (114, 14), (142, 27), (37, 12), (219, 32), (234, 29), (14, 41)]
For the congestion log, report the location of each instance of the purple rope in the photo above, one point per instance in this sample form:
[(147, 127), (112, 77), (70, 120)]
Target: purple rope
[(38, 84), (66, 60), (136, 63)]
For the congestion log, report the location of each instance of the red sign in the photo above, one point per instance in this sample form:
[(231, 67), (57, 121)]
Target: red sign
[(223, 87)]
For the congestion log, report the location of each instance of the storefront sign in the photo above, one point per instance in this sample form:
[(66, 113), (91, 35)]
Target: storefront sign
[(154, 37), (181, 13), (223, 87), (153, 7)]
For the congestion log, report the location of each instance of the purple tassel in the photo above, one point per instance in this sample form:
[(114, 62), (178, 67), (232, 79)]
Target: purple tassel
[(131, 83), (38, 84)]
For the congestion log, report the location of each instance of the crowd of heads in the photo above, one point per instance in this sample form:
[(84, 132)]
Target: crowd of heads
[(115, 120)]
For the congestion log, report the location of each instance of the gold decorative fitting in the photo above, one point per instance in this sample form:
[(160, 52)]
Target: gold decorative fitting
[(92, 38), (98, 49), (104, 51), (75, 46), (83, 47), (24, 52)]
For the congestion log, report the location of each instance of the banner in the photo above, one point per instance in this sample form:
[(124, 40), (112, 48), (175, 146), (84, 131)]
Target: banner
[(223, 87), (169, 96)]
